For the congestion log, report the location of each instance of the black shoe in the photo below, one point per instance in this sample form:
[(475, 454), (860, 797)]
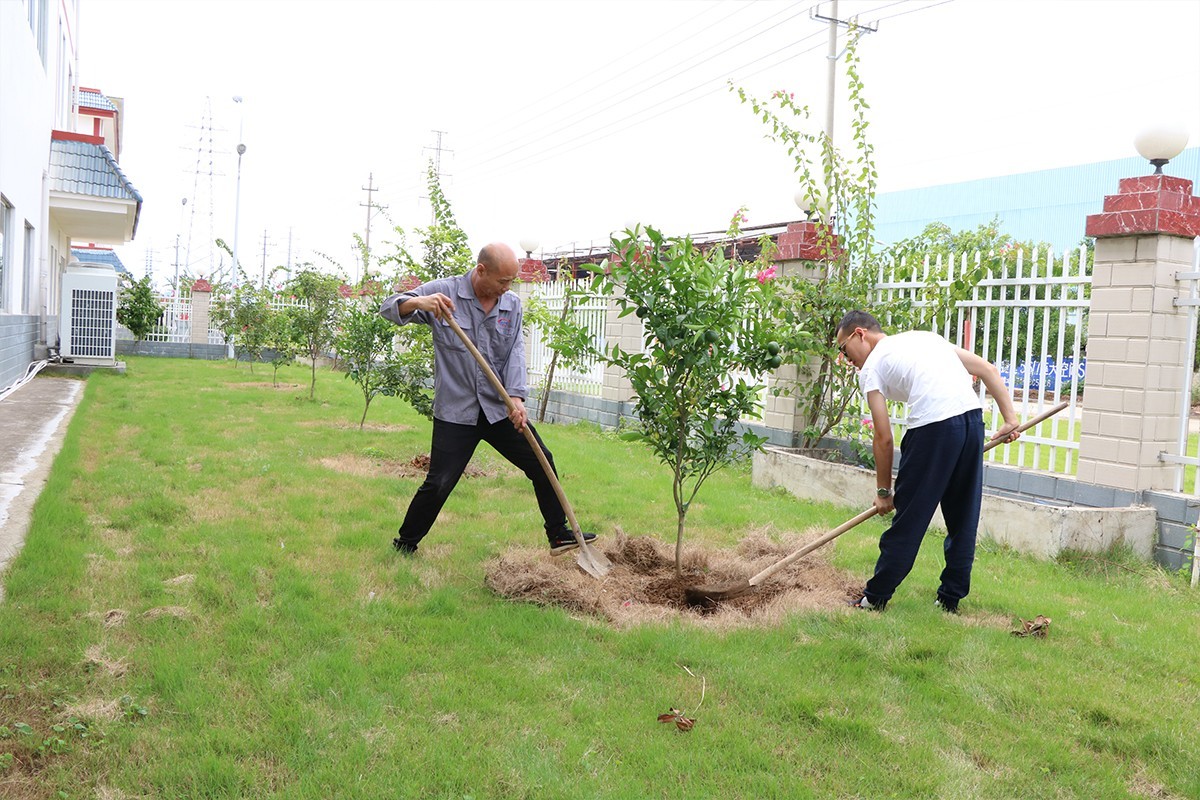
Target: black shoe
[(949, 606), (403, 547), (564, 542)]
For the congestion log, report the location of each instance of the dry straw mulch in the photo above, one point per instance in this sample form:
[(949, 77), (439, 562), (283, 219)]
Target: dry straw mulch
[(642, 586)]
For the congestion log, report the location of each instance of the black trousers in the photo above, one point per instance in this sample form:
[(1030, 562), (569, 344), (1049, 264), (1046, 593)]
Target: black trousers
[(451, 451), (941, 463)]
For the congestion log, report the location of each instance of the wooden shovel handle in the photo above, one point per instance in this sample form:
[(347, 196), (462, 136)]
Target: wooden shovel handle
[(808, 548), (533, 442), (870, 512), (1040, 418)]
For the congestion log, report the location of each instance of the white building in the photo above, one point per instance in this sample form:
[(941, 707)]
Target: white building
[(59, 179)]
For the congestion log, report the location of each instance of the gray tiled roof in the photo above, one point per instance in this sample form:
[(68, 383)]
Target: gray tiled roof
[(88, 255), (88, 169), (90, 99)]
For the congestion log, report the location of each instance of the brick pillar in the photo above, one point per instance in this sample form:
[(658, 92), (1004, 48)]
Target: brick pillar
[(627, 333), (802, 251), (1138, 348), (201, 306)]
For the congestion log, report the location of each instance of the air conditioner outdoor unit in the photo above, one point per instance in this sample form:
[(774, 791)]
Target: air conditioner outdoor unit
[(88, 319)]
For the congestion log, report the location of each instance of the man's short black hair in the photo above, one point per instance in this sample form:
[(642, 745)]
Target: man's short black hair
[(858, 319)]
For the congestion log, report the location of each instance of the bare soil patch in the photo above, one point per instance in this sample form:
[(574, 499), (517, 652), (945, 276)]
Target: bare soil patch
[(415, 467), (342, 424), (267, 385), (642, 586)]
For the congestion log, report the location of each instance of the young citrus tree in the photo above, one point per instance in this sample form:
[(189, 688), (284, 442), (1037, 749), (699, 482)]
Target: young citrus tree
[(707, 339), (315, 324), (366, 343), (138, 308), (280, 340)]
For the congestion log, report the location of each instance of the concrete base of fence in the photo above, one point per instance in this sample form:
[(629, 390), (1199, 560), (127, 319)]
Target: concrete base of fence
[(208, 352), (1037, 528)]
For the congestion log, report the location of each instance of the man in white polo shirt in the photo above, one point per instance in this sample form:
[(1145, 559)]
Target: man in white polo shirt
[(941, 455)]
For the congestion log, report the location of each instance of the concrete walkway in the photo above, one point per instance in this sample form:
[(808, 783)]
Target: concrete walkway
[(33, 422)]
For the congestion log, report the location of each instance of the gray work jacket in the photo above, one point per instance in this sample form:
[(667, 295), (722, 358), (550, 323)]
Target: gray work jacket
[(460, 389)]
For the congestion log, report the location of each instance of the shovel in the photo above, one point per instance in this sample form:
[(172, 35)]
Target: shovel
[(710, 596), (590, 560)]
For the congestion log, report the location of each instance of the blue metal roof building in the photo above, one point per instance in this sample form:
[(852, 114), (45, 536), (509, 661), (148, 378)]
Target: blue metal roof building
[(1049, 206)]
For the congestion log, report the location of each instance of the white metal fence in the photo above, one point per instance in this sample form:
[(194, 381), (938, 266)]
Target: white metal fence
[(1028, 316), (175, 324), (591, 312), (1187, 463)]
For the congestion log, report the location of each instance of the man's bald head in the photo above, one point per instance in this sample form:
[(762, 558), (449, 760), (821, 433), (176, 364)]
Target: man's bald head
[(496, 255), (495, 271)]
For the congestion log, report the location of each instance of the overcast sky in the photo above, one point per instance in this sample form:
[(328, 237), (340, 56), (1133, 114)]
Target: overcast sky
[(562, 121)]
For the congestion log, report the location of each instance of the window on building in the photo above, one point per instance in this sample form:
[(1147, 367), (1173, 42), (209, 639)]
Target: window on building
[(5, 247), (30, 270), (37, 12)]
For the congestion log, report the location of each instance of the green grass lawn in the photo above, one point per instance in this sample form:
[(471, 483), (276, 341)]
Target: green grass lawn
[(208, 606)]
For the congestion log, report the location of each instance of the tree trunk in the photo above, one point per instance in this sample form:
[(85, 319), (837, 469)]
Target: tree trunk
[(546, 388)]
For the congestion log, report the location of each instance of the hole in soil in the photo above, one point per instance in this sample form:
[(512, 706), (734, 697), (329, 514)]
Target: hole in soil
[(643, 587)]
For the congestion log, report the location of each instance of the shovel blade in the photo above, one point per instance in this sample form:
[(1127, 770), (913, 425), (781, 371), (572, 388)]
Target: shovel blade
[(592, 561)]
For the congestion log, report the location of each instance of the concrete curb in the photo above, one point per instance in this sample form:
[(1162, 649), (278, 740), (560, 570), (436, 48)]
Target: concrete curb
[(33, 423)]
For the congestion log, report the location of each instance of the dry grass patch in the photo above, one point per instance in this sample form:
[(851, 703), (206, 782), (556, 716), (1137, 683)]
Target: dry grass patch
[(187, 579), (643, 588), (179, 612), (95, 658), (95, 710)]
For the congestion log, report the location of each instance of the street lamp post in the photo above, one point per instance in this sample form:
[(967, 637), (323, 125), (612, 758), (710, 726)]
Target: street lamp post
[(237, 203), (237, 207)]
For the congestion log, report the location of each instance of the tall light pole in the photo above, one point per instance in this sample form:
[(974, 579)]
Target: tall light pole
[(237, 203)]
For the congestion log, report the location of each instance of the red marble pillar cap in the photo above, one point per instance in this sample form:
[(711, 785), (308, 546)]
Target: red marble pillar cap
[(1148, 205), (532, 269), (807, 241)]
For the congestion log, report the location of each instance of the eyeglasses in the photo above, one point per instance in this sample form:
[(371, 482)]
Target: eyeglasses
[(842, 346)]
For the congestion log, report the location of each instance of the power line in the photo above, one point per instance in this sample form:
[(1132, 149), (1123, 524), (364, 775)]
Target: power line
[(638, 117), (624, 94)]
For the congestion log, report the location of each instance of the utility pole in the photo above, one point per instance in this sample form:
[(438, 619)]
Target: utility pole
[(832, 56), (264, 259), (437, 167), (175, 286), (369, 189), (289, 261)]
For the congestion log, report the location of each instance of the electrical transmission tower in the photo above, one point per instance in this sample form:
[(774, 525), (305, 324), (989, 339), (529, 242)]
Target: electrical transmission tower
[(198, 244)]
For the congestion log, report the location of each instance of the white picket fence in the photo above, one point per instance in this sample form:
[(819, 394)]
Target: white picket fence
[(591, 312), (175, 324), (1032, 311)]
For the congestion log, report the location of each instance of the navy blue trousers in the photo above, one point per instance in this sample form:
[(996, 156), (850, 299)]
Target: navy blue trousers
[(451, 451), (939, 463)]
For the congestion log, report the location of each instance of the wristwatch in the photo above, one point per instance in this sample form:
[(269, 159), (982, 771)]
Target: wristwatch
[(884, 492)]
